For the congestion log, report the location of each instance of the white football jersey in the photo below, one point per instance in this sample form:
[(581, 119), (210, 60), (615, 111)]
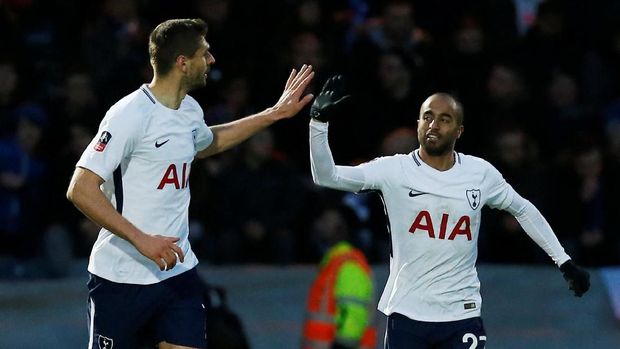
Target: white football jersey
[(144, 150), (434, 219), (434, 222)]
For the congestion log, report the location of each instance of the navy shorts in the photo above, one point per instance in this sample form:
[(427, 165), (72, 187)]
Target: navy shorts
[(403, 333), (126, 316)]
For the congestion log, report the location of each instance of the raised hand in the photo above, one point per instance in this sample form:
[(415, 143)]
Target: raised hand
[(331, 96), (291, 101)]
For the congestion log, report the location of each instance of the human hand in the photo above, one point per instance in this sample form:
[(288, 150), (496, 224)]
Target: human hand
[(328, 100), (160, 249), (291, 101), (578, 278)]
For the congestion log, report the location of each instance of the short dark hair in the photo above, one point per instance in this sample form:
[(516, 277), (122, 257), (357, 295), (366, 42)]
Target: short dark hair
[(172, 38)]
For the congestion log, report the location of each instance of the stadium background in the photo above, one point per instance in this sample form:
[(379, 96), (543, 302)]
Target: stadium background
[(539, 80)]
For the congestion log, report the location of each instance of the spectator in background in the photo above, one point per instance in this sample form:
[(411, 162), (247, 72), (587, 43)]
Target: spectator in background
[(467, 63), (119, 32), (565, 116), (516, 157), (549, 45), (340, 306), (23, 191), (394, 31), (8, 96), (260, 226), (507, 102), (584, 207), (398, 93)]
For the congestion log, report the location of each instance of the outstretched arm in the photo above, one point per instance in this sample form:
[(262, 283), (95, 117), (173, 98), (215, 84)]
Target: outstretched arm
[(228, 135), (536, 226)]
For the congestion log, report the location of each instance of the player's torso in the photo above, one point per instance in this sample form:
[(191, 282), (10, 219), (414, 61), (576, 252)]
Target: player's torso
[(155, 177), (430, 209), (434, 219)]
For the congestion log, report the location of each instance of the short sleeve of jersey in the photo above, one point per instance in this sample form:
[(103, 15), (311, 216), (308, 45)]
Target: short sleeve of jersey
[(115, 140), (204, 136), (500, 192), (375, 172)]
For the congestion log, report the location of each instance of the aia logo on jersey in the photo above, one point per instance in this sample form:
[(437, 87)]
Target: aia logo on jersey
[(424, 222), (473, 197), (177, 177), (103, 141), (105, 342)]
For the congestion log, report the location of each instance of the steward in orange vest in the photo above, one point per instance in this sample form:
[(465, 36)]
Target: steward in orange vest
[(340, 306)]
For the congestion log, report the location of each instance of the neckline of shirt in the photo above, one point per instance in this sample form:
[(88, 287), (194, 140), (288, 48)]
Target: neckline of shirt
[(419, 162), (145, 88)]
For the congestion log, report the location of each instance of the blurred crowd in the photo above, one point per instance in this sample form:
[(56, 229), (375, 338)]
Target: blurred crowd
[(539, 81)]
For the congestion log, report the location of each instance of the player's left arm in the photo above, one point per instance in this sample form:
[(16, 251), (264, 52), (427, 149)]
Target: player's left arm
[(292, 100), (503, 196), (537, 227)]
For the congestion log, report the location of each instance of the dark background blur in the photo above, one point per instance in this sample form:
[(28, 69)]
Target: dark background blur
[(539, 81)]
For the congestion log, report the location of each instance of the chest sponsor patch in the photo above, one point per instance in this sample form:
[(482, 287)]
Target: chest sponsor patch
[(104, 139)]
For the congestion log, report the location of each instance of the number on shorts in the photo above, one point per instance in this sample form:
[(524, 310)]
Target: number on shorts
[(474, 340)]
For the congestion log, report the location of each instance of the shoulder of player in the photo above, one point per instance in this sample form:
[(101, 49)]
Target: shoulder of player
[(476, 164), (136, 106), (390, 159), (190, 104)]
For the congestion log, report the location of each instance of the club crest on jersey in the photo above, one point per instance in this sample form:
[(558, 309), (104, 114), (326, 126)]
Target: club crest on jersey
[(473, 197), (105, 342), (103, 141)]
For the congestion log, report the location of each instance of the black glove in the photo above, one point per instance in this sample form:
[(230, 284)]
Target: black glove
[(331, 96), (578, 278)]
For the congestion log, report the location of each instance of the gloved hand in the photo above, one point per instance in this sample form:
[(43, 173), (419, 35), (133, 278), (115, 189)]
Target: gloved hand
[(331, 96), (578, 278)]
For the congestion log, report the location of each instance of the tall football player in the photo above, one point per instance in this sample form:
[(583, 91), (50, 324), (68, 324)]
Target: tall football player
[(132, 180)]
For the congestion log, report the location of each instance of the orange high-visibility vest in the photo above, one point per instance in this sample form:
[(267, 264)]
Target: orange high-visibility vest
[(320, 326)]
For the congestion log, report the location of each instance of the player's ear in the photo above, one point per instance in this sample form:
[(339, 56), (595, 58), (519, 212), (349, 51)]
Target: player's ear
[(181, 63), (461, 130)]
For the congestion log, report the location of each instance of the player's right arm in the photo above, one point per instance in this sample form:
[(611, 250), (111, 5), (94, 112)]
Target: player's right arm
[(85, 193), (120, 130), (324, 170)]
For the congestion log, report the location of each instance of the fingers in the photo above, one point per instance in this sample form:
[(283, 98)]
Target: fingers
[(167, 261), (289, 81), (307, 98), (179, 252), (341, 100), (302, 78), (162, 264), (169, 253), (327, 85)]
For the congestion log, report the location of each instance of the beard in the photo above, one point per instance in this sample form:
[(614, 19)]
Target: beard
[(195, 81)]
